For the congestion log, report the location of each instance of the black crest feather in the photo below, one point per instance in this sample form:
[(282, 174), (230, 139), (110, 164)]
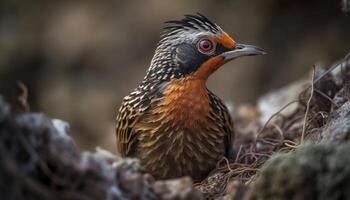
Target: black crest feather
[(195, 22)]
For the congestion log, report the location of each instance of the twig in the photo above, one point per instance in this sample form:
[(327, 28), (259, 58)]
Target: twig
[(238, 154), (43, 165), (308, 105), (228, 164), (23, 97), (324, 95), (278, 129), (11, 167), (290, 144)]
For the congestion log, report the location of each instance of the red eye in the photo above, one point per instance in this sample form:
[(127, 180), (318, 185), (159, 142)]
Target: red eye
[(205, 45)]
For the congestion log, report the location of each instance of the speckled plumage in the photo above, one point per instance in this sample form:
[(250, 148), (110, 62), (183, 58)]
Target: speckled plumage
[(171, 121)]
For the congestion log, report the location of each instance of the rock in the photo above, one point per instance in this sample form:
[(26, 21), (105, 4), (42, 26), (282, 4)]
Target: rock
[(61, 126), (337, 128), (318, 171), (39, 160), (235, 190), (177, 189), (341, 97), (270, 103), (127, 164)]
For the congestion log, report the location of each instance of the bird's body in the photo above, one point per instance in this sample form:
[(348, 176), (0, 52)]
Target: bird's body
[(183, 130), (171, 121)]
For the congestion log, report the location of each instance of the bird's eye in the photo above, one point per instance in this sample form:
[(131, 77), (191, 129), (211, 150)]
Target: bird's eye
[(205, 45)]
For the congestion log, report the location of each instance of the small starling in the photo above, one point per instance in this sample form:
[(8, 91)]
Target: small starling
[(171, 121)]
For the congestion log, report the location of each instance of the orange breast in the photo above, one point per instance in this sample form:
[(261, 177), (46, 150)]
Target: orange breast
[(186, 102)]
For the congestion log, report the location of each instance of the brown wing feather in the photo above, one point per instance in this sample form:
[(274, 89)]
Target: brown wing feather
[(133, 107), (220, 110)]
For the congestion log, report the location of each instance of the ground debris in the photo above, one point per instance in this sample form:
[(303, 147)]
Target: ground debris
[(260, 137)]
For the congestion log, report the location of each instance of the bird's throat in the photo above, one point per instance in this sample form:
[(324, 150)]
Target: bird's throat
[(209, 67)]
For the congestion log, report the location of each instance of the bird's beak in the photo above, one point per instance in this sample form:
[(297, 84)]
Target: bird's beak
[(242, 50)]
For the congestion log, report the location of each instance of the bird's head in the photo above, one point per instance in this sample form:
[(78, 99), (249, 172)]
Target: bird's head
[(194, 46)]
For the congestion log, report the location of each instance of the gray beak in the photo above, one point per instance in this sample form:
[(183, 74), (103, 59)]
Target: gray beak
[(243, 50)]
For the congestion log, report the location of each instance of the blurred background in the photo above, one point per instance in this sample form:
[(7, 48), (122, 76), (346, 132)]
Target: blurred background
[(79, 58)]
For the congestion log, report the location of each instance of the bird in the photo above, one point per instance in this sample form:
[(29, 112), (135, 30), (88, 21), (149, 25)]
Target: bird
[(172, 122)]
